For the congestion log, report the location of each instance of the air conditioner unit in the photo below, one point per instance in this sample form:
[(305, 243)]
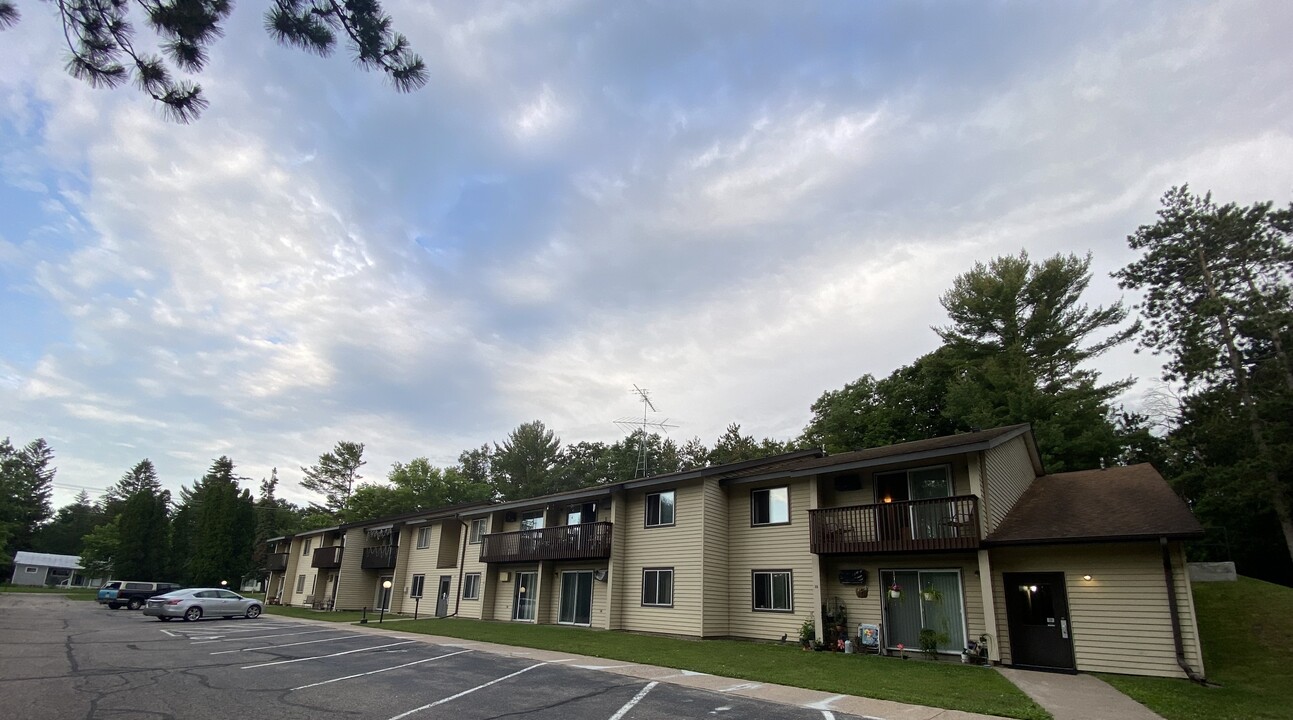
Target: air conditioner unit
[(600, 575)]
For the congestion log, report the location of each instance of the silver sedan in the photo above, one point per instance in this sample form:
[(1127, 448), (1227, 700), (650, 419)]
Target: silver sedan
[(194, 603)]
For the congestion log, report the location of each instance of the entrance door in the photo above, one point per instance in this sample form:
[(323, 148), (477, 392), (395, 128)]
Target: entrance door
[(523, 598), (384, 593), (442, 597), (576, 597), (1038, 610)]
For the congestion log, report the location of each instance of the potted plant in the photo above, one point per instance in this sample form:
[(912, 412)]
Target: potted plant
[(807, 633), (929, 640), (902, 651), (930, 594), (895, 591)]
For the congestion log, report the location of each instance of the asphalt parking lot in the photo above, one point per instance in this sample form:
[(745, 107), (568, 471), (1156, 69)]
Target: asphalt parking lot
[(64, 659)]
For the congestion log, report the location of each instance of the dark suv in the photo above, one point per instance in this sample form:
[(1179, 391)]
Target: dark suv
[(130, 593)]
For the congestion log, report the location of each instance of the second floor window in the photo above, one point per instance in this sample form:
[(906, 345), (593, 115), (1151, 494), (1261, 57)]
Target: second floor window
[(476, 533), (424, 541), (770, 506), (532, 520), (660, 508), (305, 549)]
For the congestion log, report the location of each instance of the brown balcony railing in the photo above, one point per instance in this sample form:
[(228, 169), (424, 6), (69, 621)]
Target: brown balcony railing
[(381, 557), (565, 542), (276, 562), (327, 558), (950, 523)]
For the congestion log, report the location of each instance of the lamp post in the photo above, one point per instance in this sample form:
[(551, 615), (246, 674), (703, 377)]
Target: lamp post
[(386, 594), (224, 583)]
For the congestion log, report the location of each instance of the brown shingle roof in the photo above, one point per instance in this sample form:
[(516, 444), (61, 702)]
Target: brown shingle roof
[(1119, 503), (946, 444)]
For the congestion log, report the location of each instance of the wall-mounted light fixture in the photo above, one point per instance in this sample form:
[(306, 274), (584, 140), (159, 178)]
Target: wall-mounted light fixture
[(1087, 578), (888, 498)]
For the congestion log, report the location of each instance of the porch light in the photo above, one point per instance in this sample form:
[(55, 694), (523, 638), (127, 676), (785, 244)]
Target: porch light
[(888, 498), (1087, 578)]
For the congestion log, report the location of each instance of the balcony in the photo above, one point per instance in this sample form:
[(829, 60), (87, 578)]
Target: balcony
[(381, 557), (327, 558), (950, 523), (276, 562), (565, 542)]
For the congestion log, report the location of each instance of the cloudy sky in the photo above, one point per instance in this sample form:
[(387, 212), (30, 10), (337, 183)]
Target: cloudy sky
[(737, 205)]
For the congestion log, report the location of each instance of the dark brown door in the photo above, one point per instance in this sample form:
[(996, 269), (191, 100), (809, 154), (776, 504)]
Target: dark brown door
[(1038, 611)]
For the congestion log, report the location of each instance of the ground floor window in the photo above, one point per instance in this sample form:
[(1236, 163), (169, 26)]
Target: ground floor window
[(471, 586), (928, 600), (773, 591), (419, 582), (300, 583), (657, 587)]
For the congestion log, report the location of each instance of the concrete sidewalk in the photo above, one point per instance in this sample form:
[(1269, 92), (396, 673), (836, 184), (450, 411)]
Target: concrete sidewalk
[(1077, 697), (828, 703)]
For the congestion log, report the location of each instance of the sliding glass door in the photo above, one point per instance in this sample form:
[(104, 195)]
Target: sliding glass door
[(929, 599), (576, 597)]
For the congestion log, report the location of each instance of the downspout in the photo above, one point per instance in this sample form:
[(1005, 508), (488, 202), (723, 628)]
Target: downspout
[(1176, 616)]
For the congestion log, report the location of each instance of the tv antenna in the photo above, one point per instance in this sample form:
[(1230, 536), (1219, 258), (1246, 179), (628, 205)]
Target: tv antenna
[(640, 426)]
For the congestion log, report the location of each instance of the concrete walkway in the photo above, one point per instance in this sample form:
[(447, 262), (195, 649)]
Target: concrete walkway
[(1077, 697)]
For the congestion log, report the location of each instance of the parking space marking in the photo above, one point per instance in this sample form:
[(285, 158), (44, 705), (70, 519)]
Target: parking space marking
[(320, 657), (828, 715), (271, 647), (742, 686), (442, 701), (374, 672), (263, 637), (636, 699)]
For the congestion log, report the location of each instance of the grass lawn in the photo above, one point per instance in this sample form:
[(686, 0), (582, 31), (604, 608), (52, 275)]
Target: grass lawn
[(1247, 630), (71, 593), (945, 684), (340, 617)]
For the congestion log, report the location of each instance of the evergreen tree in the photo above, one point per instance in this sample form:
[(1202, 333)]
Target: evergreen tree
[(105, 52), (143, 526), (693, 454), (335, 474), (26, 475), (732, 446), (222, 527), (525, 464), (65, 534)]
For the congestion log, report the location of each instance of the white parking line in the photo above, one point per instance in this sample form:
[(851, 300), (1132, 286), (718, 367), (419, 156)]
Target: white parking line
[(319, 657), (374, 672), (465, 692), (262, 637), (270, 647), (636, 699)]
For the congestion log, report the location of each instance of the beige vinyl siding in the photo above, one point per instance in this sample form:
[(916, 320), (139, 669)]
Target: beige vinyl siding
[(358, 586), (471, 564), (870, 609), (295, 567), (601, 605), (1008, 471), (1120, 620), (714, 562), (680, 546), (506, 591), (768, 547)]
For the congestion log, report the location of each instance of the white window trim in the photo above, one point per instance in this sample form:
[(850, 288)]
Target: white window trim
[(646, 509), (414, 590), (465, 584), (424, 538), (768, 491), (790, 594), (305, 547), (483, 524)]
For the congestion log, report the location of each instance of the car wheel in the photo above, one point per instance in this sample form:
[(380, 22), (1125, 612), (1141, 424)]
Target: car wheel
[(114, 606), (193, 614), (135, 604), (253, 612)]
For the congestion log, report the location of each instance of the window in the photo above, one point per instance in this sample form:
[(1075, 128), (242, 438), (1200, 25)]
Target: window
[(773, 591), (300, 583), (660, 508), (471, 586), (305, 548), (424, 540), (477, 531), (532, 520), (581, 513), (657, 587), (33, 570), (770, 506), (418, 582)]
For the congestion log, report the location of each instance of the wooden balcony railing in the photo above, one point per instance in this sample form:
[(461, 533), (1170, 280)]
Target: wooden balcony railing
[(565, 542), (950, 523), (381, 557), (327, 558), (276, 562)]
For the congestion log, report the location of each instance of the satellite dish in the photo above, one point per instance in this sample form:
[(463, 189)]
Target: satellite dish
[(600, 575)]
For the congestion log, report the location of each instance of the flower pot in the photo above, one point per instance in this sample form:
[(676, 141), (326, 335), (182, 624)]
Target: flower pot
[(862, 591), (895, 594), (929, 596)]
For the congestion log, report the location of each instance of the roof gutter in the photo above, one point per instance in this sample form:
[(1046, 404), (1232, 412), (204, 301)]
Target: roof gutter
[(1176, 616)]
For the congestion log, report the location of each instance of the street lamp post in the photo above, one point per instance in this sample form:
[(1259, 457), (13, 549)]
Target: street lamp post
[(386, 595)]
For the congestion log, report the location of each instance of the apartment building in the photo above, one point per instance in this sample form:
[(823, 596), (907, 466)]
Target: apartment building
[(963, 535)]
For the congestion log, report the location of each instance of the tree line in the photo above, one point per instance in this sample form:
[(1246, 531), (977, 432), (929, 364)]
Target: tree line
[(1215, 281)]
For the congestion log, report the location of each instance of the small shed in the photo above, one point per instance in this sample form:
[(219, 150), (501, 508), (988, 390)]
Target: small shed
[(33, 568)]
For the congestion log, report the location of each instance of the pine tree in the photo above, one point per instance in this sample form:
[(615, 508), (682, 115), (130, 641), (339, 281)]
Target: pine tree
[(143, 526), (334, 475)]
